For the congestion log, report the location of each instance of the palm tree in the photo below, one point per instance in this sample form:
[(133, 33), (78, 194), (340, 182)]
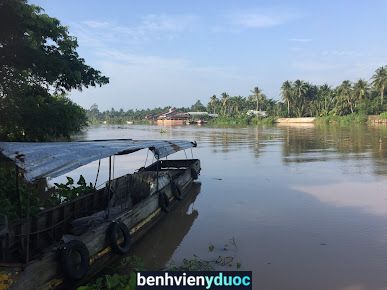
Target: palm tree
[(380, 81), (300, 88), (345, 92), (325, 93), (239, 102), (213, 102), (257, 94), (286, 92), (224, 100), (360, 89)]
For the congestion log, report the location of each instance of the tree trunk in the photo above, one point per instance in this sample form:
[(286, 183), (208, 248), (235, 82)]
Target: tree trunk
[(382, 95), (350, 105), (288, 108), (257, 107)]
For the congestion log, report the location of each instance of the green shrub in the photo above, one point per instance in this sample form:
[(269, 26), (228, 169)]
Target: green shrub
[(383, 115), (346, 120)]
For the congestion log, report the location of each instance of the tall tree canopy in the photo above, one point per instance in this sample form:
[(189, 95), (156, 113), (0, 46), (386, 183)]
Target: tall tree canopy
[(38, 64)]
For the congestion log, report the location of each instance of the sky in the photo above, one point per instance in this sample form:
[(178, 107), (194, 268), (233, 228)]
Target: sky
[(172, 53)]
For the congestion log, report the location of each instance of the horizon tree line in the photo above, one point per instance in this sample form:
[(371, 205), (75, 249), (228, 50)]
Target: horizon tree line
[(299, 98)]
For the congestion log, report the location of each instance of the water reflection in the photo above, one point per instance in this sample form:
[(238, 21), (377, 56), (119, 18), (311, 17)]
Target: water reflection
[(306, 205), (157, 247)]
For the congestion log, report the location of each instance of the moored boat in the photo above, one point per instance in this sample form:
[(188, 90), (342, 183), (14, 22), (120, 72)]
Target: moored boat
[(62, 243)]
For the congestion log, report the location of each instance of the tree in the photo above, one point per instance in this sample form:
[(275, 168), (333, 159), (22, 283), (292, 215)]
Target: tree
[(327, 99), (225, 98), (213, 104), (38, 56), (198, 107), (300, 88), (286, 92), (257, 95), (379, 81), (345, 93), (360, 89)]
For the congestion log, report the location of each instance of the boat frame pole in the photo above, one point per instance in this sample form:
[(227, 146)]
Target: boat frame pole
[(109, 188), (18, 191)]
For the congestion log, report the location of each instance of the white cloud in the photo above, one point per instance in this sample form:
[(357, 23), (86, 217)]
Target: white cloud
[(313, 65), (96, 24), (261, 18), (340, 53), (138, 81), (300, 39), (149, 27)]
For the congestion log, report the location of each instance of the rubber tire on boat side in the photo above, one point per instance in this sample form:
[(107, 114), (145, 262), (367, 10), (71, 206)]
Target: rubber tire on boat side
[(164, 201), (112, 235), (176, 191), (71, 272), (194, 174)]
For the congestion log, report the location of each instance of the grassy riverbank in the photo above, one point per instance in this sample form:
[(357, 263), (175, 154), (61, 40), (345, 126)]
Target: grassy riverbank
[(343, 120), (350, 119), (241, 121)]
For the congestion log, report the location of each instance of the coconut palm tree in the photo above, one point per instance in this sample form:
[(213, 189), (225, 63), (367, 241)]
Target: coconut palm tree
[(286, 92), (213, 103), (345, 92), (360, 89), (326, 95), (300, 88), (257, 95), (225, 98), (379, 81)]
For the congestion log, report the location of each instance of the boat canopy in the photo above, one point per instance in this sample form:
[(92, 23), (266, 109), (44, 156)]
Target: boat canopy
[(51, 159)]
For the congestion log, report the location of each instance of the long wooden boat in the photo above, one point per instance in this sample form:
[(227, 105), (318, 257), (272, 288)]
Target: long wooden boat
[(62, 244)]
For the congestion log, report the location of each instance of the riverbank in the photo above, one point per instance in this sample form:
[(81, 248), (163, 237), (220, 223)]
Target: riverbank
[(241, 121), (353, 119), (254, 121)]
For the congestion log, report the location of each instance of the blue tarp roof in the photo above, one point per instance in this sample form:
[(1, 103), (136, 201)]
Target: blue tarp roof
[(52, 159)]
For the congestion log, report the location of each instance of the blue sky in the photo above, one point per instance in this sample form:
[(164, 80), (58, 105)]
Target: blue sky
[(160, 53)]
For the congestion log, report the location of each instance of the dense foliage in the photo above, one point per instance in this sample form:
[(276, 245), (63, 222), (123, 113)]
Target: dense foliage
[(299, 99), (304, 99), (38, 64), (13, 203)]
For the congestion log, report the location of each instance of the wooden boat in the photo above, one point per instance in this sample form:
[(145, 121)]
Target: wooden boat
[(63, 243)]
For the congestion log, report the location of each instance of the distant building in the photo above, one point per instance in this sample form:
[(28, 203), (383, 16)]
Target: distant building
[(172, 117), (257, 113)]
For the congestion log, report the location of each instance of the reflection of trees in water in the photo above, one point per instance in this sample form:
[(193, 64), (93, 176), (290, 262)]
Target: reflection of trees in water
[(231, 140), (349, 143)]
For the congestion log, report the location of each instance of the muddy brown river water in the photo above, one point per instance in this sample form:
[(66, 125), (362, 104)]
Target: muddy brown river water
[(303, 207)]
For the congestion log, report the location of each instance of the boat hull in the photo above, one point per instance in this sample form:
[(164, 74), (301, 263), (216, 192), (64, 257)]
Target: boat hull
[(46, 273)]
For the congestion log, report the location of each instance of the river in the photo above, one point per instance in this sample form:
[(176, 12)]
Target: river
[(302, 207)]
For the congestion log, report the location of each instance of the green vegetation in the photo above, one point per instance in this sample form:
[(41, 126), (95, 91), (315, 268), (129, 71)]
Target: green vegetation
[(113, 282), (14, 205), (383, 115), (38, 65), (68, 191), (125, 281), (299, 99), (343, 120)]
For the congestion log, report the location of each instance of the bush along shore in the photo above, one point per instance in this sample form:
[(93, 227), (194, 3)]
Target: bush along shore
[(345, 103)]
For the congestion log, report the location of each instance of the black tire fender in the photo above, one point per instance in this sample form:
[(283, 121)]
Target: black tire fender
[(70, 270), (112, 235)]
